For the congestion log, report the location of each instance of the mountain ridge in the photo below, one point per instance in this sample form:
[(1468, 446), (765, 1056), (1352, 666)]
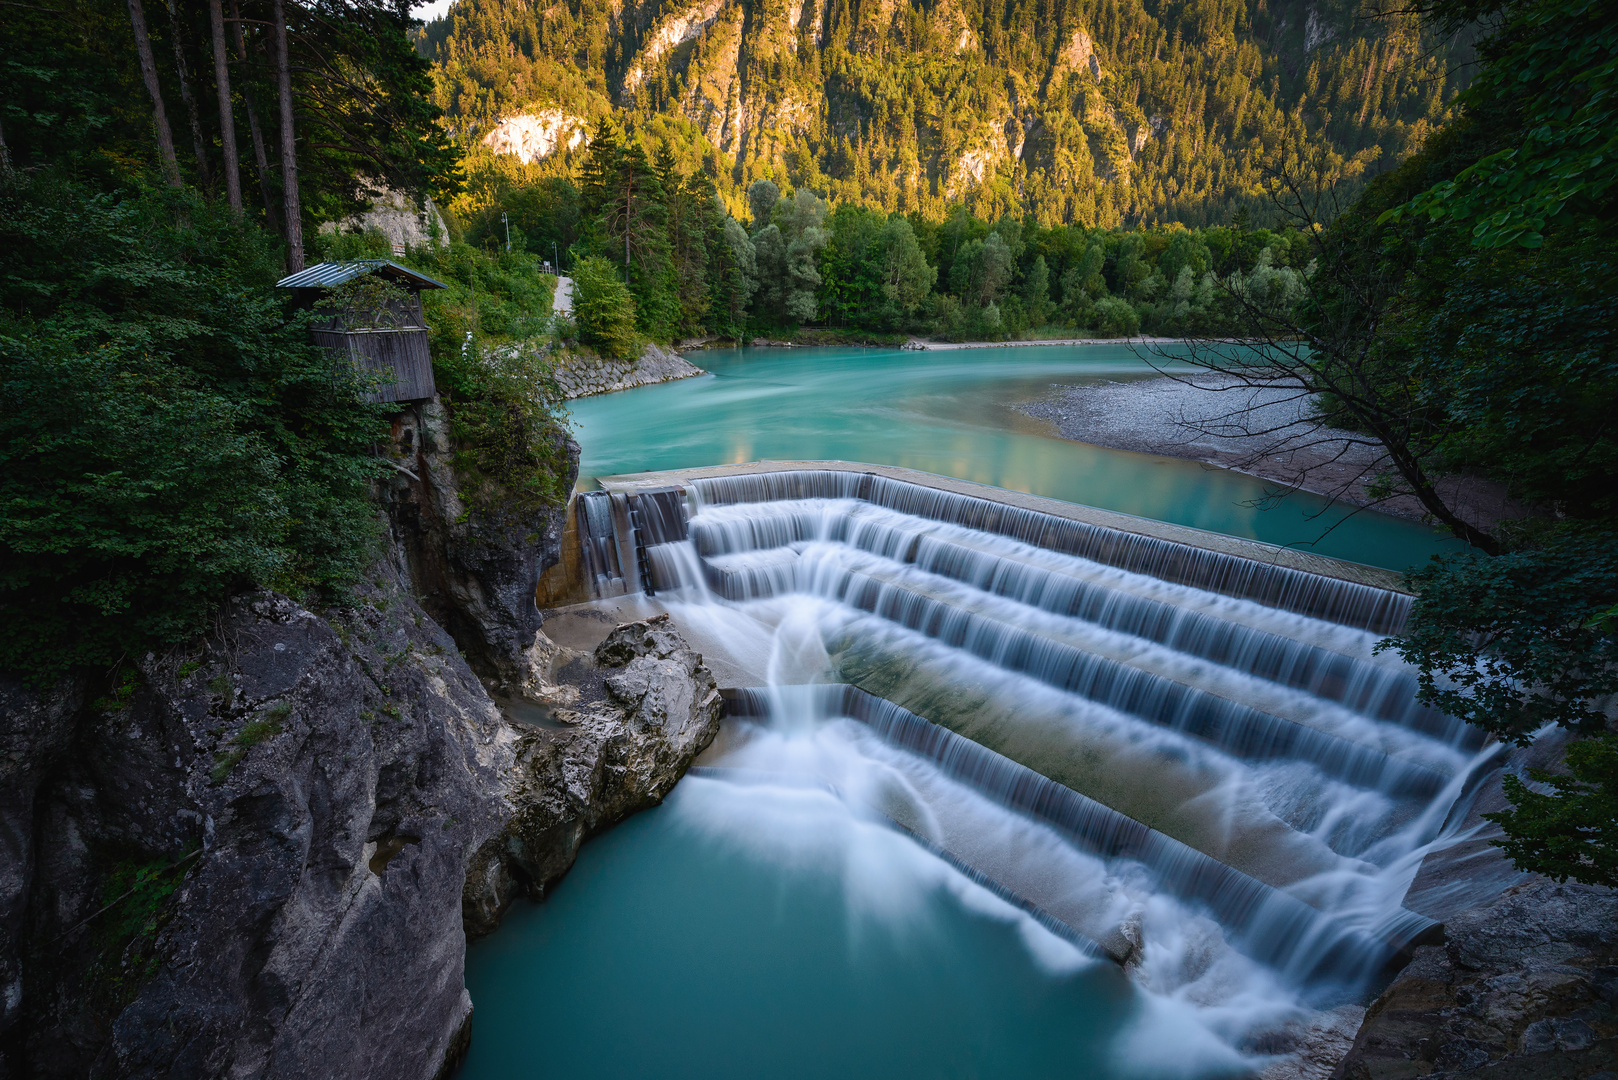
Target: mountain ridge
[(1102, 113)]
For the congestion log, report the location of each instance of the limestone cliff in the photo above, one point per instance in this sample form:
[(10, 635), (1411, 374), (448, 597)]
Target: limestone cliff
[(249, 857), (474, 571)]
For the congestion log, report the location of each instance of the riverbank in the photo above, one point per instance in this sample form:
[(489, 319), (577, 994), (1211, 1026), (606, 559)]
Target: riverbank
[(583, 373), (923, 345), (1270, 433), (821, 338)]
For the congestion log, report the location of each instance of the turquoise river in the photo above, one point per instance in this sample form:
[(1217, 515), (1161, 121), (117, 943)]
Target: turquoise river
[(723, 936)]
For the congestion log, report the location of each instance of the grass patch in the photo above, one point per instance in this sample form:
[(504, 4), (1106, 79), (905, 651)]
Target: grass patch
[(137, 893), (125, 682), (222, 685), (252, 734)]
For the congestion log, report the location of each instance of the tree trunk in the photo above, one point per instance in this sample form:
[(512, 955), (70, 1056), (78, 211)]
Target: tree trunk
[(261, 161), (227, 119), (289, 146), (160, 116), (198, 143)]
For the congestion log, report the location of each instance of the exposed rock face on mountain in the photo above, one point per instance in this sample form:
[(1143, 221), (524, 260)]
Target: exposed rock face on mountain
[(633, 726), (1524, 987), (535, 136), (1068, 113)]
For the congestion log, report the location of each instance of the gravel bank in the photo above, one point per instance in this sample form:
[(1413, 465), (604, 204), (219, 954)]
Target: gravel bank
[(1268, 433)]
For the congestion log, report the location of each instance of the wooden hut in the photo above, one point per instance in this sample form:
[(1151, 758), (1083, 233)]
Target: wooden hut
[(391, 340)]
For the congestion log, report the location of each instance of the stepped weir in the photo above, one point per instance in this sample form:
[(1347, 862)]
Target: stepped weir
[(1128, 729)]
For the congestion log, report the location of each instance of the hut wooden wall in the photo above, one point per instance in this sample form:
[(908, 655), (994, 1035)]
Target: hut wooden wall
[(399, 354)]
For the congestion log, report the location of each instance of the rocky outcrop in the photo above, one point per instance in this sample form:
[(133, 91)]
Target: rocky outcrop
[(251, 863), (256, 860), (1524, 987), (537, 135), (473, 570), (582, 375), (631, 720), (399, 217), (250, 857), (36, 728)]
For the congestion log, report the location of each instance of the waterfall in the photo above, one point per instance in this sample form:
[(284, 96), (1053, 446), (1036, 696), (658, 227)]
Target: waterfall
[(1272, 926), (1379, 690), (1284, 782), (1346, 602)]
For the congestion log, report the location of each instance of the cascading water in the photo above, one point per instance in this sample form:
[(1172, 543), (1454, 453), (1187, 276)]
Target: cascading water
[(1190, 761)]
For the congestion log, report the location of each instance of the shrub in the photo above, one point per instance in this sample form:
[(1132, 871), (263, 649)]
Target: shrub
[(169, 437), (603, 308), (1116, 317)]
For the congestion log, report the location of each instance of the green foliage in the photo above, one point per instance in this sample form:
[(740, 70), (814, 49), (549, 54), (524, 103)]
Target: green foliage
[(224, 761), (1115, 317), (603, 308), (1520, 350), (691, 268), (70, 92), (1089, 113), (1555, 63), (74, 101), (367, 302), (169, 436), (136, 893), (1496, 252), (1572, 830), (505, 410), (256, 732), (625, 207), (1515, 642)]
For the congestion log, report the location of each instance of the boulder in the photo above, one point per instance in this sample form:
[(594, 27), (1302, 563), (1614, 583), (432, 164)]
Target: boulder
[(651, 708), (1524, 987)]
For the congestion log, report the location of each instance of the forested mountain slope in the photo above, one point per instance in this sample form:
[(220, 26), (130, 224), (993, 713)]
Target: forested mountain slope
[(1099, 112)]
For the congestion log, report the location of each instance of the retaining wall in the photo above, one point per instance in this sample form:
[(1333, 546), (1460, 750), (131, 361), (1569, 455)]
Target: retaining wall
[(583, 374)]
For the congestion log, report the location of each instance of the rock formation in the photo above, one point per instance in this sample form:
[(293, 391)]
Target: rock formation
[(250, 857), (1523, 988), (647, 708), (474, 573), (251, 865)]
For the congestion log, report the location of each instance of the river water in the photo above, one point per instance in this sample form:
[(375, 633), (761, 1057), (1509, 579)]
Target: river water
[(948, 412), (772, 920)]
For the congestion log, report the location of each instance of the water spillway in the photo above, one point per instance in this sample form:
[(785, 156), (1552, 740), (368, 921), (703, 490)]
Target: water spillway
[(1272, 926), (1182, 746), (1333, 599)]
